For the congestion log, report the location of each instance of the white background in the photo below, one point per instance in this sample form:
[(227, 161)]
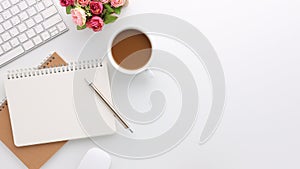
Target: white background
[(257, 42)]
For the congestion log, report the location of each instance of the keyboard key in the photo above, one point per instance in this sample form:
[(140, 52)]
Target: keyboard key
[(1, 29), (61, 26), (1, 51), (5, 4), (5, 36), (6, 46), (12, 54), (28, 45), (45, 35), (6, 14), (31, 2), (51, 21), (22, 27), (37, 40), (47, 3), (38, 18), (23, 16), (22, 38), (31, 11), (29, 23), (54, 33), (1, 18), (14, 32), (30, 33), (14, 1), (7, 25), (14, 10), (40, 6), (22, 5), (52, 29), (14, 42), (38, 29), (49, 12), (15, 20)]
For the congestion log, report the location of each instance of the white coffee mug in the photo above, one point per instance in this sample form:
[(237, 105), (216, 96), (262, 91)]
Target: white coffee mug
[(115, 64)]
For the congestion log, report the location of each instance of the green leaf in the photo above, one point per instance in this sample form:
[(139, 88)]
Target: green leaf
[(109, 9), (118, 10), (81, 27), (87, 8), (68, 9), (89, 14), (103, 13), (109, 18)]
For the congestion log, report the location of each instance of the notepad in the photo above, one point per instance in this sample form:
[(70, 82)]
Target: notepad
[(34, 157), (55, 104)]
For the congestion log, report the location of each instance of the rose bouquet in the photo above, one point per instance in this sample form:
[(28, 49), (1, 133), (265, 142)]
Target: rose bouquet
[(93, 14)]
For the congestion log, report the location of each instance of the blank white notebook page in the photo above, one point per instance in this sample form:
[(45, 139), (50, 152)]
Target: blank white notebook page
[(43, 108)]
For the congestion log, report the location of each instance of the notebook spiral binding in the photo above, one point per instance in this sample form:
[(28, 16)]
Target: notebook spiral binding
[(72, 66)]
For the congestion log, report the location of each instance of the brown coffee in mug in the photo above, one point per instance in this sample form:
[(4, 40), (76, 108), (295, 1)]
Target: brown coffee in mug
[(131, 49)]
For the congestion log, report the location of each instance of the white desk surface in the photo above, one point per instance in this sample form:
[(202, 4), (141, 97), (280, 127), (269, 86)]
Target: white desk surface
[(258, 45)]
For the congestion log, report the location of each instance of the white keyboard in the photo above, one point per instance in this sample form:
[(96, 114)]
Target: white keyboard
[(25, 25)]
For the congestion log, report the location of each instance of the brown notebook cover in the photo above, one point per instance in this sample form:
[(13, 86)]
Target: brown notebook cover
[(32, 156)]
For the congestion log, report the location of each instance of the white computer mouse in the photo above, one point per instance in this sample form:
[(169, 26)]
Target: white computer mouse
[(95, 158)]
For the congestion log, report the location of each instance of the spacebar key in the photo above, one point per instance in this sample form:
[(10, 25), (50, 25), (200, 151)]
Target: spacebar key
[(10, 55), (52, 21)]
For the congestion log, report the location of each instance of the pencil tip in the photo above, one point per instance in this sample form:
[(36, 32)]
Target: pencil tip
[(130, 130)]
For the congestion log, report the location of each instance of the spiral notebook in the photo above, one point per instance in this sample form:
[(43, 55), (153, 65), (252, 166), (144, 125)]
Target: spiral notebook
[(32, 156), (46, 105)]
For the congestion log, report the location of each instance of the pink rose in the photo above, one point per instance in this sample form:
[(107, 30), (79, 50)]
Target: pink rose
[(95, 23), (96, 7), (78, 16), (104, 1), (83, 2), (117, 3), (66, 2)]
